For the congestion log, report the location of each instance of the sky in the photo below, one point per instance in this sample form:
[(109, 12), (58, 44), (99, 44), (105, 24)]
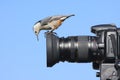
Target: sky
[(22, 57)]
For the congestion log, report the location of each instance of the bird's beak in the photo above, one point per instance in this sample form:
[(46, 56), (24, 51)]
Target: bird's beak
[(37, 37)]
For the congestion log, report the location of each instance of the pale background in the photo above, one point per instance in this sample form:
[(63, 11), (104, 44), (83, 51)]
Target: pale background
[(23, 58)]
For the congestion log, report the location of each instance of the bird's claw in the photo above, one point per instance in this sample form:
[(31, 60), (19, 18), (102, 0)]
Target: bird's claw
[(50, 32), (55, 33)]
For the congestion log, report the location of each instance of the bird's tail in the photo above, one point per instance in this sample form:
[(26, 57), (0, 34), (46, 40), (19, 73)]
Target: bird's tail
[(67, 16), (70, 15)]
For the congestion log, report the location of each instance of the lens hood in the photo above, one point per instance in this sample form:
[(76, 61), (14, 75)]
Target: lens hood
[(52, 44)]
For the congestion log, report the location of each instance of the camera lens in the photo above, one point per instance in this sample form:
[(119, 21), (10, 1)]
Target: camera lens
[(71, 49)]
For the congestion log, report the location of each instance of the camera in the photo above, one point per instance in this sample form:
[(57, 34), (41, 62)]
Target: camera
[(103, 50)]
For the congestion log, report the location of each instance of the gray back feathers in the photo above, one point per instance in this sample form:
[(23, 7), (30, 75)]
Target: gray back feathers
[(47, 20)]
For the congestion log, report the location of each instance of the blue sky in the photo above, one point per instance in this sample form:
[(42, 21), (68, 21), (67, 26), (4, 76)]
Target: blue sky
[(22, 57)]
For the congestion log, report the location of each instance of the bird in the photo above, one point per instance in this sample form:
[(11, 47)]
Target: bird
[(49, 23)]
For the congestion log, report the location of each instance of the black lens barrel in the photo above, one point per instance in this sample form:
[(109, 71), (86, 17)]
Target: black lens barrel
[(75, 49), (71, 49)]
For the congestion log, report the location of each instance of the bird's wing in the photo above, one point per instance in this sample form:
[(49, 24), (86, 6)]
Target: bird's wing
[(45, 21), (60, 17), (53, 18)]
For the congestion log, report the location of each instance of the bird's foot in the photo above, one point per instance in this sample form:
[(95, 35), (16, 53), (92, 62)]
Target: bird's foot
[(53, 32), (50, 32)]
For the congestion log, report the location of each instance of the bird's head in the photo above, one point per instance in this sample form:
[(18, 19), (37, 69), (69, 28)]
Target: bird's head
[(36, 29)]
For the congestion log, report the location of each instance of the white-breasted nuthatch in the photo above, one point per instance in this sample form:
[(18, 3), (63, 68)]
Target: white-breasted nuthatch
[(49, 23)]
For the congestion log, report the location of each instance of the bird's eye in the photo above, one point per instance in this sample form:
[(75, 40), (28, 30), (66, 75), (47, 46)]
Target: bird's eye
[(35, 31)]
